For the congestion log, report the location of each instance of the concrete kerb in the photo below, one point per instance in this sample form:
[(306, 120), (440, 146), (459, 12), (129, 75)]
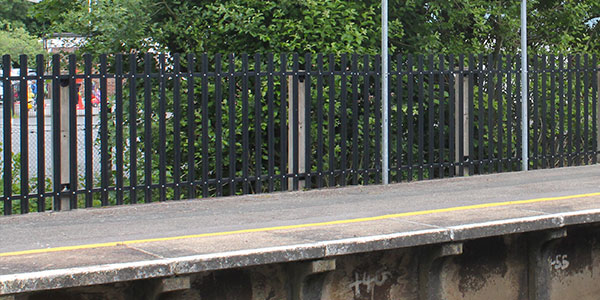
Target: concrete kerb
[(120, 272)]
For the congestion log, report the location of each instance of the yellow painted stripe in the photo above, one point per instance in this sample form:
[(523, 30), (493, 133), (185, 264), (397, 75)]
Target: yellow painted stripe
[(308, 225)]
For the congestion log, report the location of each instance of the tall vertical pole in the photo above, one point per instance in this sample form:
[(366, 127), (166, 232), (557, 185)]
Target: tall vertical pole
[(384, 92), (598, 114), (524, 119)]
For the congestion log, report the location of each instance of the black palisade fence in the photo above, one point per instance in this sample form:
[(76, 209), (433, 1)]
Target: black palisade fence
[(119, 129)]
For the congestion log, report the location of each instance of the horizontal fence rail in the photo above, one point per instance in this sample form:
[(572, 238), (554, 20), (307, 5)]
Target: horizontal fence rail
[(119, 129)]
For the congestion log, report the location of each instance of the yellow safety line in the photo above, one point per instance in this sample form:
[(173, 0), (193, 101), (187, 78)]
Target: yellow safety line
[(308, 225)]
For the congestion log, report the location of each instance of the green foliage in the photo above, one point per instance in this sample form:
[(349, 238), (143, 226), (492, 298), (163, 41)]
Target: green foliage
[(47, 14), (564, 26), (16, 41), (109, 26), (237, 26), (14, 11), (333, 26)]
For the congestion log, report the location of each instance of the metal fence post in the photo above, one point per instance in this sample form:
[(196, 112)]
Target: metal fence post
[(301, 130), (65, 199), (465, 118)]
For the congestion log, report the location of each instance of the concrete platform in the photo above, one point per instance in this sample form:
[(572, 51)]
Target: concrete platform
[(97, 246)]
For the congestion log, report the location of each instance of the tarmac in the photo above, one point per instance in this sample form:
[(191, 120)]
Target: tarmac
[(41, 251)]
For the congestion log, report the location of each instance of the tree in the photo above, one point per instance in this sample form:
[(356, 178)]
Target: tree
[(107, 25), (15, 12), (47, 14), (16, 41), (14, 36), (565, 26), (333, 26), (250, 26)]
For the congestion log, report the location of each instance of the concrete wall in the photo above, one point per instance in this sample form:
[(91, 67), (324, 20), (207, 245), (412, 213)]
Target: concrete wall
[(560, 264)]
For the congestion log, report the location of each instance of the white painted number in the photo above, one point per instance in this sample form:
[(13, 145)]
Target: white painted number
[(370, 281), (559, 262)]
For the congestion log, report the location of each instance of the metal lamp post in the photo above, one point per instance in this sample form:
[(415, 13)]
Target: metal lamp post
[(384, 93), (524, 119), (384, 90)]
